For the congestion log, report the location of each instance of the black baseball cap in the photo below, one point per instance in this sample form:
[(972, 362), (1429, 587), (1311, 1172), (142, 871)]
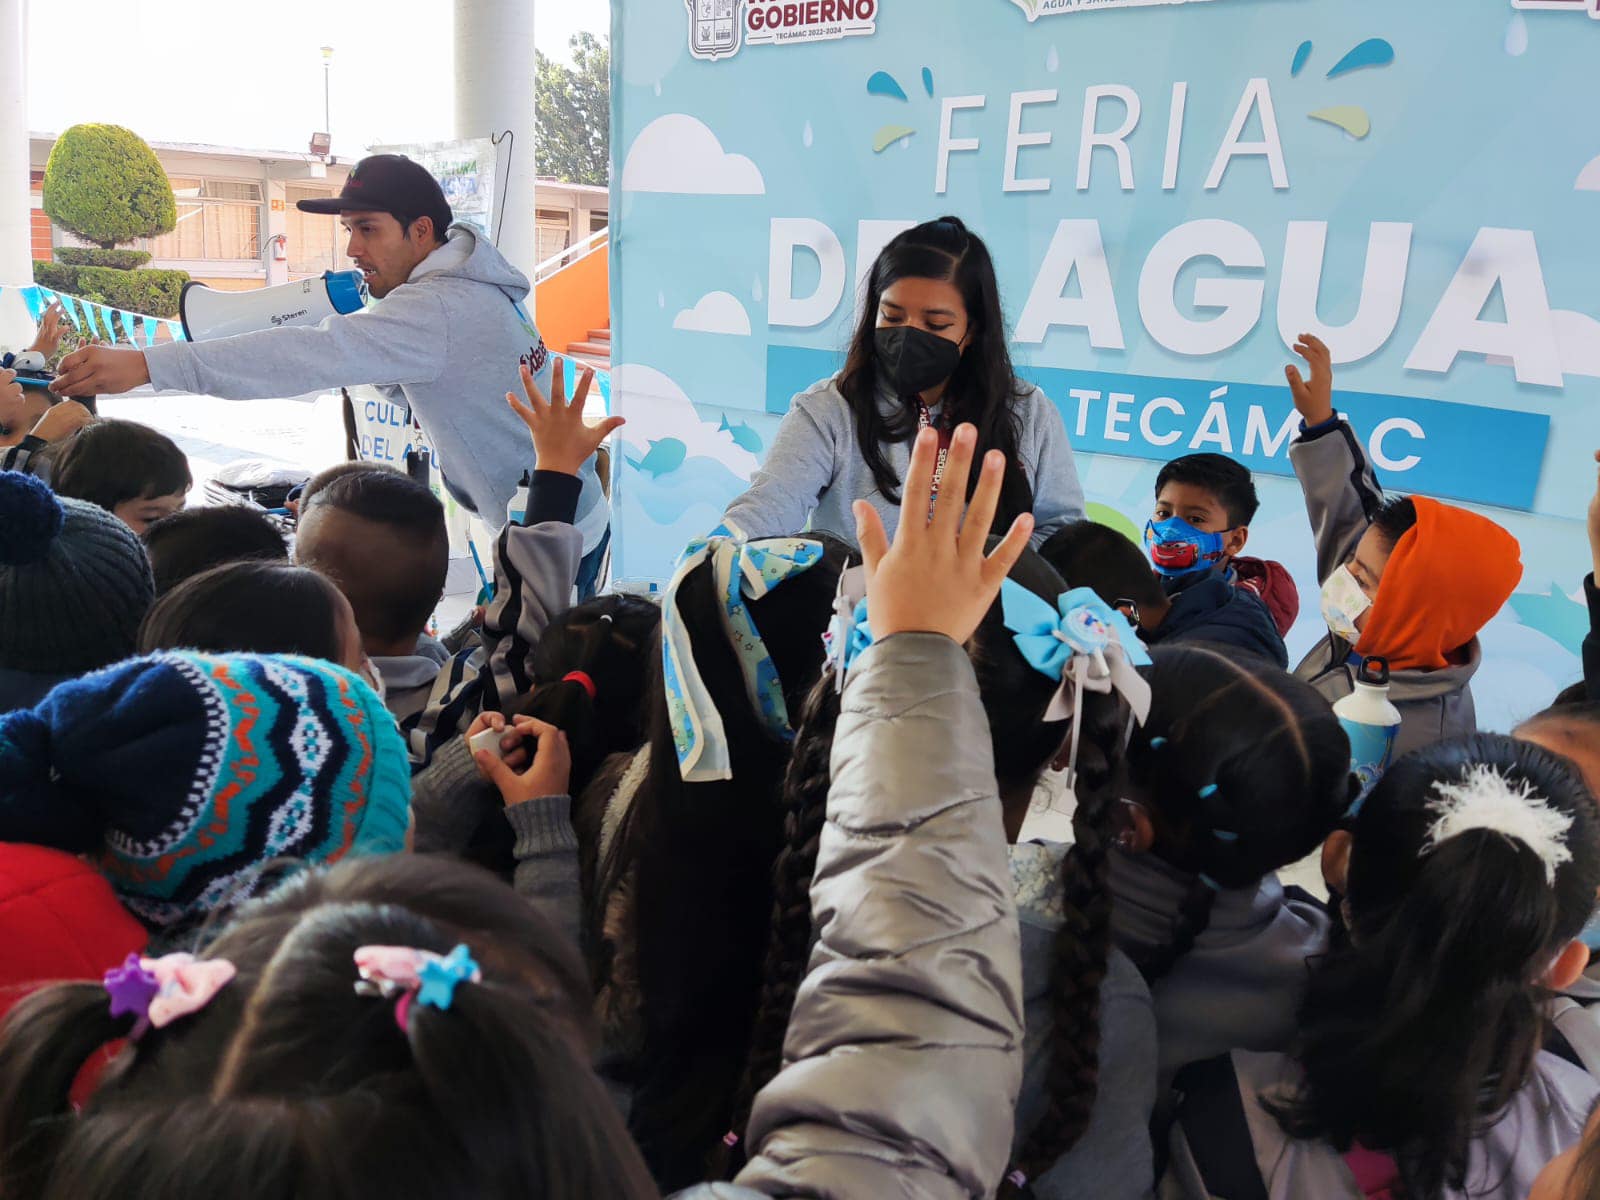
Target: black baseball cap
[(389, 183)]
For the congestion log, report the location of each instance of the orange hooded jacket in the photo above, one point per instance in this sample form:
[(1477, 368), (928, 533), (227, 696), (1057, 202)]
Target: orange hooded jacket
[(1447, 576)]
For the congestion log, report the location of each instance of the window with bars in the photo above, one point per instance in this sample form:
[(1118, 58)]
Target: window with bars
[(316, 243), (217, 219)]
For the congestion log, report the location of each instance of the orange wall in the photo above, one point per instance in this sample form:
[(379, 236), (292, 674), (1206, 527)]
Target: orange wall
[(575, 300)]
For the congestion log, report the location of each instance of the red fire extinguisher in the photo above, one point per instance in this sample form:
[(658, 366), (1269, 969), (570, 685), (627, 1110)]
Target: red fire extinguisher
[(280, 247)]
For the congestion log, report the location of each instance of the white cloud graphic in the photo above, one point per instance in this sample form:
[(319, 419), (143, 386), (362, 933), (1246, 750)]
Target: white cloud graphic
[(1578, 337), (716, 312), (656, 407), (677, 153), (1589, 177)]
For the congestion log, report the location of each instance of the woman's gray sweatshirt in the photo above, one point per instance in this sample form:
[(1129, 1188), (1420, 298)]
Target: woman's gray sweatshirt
[(815, 469)]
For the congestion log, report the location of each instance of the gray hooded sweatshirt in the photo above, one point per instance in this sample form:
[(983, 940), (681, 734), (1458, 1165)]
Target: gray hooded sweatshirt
[(1342, 495), (447, 343), (1239, 987)]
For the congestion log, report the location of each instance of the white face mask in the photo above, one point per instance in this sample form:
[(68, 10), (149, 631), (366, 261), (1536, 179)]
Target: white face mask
[(1343, 602)]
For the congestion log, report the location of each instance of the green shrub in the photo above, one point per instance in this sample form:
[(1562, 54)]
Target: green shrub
[(58, 276), (117, 260), (105, 184), (154, 292)]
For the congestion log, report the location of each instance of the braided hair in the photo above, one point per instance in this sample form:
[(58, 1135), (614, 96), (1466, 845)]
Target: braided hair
[(1016, 698), (1244, 770)]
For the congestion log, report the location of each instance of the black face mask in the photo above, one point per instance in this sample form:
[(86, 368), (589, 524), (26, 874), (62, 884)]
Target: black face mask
[(910, 361)]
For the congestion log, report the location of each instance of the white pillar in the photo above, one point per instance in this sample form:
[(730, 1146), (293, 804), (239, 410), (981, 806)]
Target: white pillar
[(16, 250), (494, 93)]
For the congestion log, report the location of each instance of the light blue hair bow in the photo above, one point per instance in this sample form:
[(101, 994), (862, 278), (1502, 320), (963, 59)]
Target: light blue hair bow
[(742, 571), (1082, 641)]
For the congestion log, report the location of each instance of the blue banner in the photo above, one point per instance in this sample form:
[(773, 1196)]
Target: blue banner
[(1172, 193)]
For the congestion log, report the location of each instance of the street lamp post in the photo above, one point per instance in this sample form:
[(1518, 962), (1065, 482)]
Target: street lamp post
[(327, 64)]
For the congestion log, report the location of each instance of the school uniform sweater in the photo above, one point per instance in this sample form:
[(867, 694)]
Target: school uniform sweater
[(1113, 1160), (1240, 985), (815, 469), (1544, 1119)]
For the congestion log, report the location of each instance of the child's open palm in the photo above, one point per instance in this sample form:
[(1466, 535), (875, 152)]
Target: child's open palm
[(562, 440), (936, 578), (1313, 398)]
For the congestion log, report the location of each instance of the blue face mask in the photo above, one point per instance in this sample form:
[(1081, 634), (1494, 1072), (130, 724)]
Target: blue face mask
[(1178, 548)]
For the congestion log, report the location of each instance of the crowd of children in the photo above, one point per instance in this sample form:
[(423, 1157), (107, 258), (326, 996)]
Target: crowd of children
[(729, 896)]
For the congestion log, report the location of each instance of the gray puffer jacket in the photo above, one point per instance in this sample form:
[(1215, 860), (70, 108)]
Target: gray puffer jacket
[(904, 1053), (1342, 496)]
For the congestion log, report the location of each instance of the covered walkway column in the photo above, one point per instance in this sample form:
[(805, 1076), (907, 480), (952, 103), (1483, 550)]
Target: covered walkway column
[(494, 93), (16, 251)]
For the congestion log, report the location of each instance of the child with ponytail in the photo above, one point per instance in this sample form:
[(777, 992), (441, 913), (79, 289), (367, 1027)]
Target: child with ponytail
[(1418, 1073), (1089, 1080), (1240, 771), (677, 913)]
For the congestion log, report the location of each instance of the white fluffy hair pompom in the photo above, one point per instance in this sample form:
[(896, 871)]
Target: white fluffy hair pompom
[(1485, 799)]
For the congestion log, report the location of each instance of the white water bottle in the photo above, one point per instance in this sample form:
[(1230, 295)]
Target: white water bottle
[(517, 509), (1372, 723)]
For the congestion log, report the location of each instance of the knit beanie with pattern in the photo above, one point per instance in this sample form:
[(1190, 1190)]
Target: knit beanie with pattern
[(181, 775), (74, 582)]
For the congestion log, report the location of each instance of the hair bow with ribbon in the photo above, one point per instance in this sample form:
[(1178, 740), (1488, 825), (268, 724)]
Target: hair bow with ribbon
[(1086, 644), (742, 571), (158, 991)]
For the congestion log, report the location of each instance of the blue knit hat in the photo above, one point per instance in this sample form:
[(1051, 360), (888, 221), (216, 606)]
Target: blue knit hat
[(74, 582), (182, 774)]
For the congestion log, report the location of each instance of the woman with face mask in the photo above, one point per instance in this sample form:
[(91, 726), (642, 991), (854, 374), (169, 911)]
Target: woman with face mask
[(1409, 579), (929, 349)]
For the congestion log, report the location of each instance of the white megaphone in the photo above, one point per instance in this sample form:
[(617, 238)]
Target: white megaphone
[(207, 313)]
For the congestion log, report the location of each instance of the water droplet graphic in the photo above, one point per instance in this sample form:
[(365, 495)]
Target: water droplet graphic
[(881, 83), (1300, 56), (755, 289), (1052, 61), (661, 299), (1517, 35), (808, 136), (1348, 117), (927, 80), (1374, 52), (888, 135), (658, 87)]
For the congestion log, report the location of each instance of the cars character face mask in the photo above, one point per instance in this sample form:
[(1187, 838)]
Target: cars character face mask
[(1178, 548)]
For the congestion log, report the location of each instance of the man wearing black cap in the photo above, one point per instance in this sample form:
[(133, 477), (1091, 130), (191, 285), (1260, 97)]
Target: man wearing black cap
[(446, 335)]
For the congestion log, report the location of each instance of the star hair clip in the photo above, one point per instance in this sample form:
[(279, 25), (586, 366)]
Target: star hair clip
[(406, 972), (158, 991)]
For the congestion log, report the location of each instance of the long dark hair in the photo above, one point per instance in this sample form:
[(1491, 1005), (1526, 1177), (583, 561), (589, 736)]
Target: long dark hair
[(257, 606), (1243, 768), (700, 856), (1015, 699), (1421, 1027), (291, 1084), (983, 391)]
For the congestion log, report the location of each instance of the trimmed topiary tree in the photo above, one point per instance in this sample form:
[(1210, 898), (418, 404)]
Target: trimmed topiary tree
[(105, 184)]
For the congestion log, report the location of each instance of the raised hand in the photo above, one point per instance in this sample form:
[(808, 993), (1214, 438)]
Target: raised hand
[(562, 441), (48, 340), (936, 578), (1313, 399), (62, 421)]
